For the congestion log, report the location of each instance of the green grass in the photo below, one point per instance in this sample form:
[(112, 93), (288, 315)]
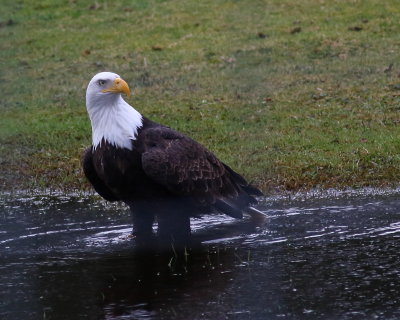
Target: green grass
[(292, 94)]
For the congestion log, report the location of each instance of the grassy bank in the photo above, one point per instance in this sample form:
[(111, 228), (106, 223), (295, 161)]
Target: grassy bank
[(293, 94)]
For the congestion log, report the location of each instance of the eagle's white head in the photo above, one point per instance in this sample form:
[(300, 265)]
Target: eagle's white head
[(112, 118)]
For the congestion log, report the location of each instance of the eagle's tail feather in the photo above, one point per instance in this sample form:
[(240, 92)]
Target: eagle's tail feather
[(229, 208)]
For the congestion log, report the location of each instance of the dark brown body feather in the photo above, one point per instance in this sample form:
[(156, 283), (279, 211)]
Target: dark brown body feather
[(166, 171)]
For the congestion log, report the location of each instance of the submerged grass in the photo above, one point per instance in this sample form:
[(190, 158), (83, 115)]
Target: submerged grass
[(293, 94)]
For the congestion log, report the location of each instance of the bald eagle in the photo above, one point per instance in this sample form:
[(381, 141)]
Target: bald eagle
[(158, 172)]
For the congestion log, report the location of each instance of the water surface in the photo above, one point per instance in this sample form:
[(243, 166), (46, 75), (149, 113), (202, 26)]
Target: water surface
[(329, 256)]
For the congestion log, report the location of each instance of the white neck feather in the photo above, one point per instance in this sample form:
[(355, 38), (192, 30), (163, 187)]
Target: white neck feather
[(113, 120)]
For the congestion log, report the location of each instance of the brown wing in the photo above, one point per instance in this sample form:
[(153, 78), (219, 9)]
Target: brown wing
[(91, 175), (187, 168)]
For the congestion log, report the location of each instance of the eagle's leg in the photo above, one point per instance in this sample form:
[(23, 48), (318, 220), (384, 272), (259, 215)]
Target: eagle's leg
[(142, 222), (174, 228)]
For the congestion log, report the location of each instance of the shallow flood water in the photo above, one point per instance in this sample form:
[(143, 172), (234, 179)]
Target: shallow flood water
[(334, 256)]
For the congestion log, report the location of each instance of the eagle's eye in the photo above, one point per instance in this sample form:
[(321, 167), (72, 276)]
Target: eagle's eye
[(101, 82)]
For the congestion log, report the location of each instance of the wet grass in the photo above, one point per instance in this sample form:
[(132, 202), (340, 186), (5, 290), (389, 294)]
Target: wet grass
[(293, 94)]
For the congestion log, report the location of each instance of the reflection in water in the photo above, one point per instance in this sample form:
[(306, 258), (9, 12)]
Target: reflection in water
[(130, 285), (316, 258)]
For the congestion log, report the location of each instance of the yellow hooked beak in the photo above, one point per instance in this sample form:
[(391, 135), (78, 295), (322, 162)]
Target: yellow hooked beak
[(119, 86)]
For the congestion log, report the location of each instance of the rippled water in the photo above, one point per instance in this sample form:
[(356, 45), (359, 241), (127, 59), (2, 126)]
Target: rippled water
[(328, 256)]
